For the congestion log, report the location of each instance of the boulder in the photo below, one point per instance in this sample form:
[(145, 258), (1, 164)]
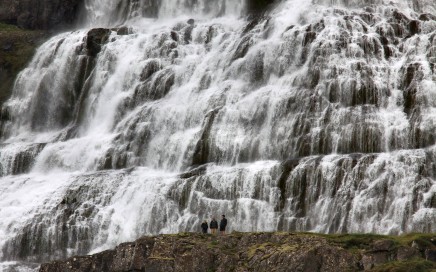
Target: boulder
[(95, 39)]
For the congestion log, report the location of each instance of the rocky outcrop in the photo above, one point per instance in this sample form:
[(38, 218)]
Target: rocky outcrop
[(260, 252), (258, 6), (95, 39), (39, 14), (17, 45), (16, 49)]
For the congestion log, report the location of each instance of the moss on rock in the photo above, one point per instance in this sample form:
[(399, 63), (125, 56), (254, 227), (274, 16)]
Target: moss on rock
[(262, 252), (17, 47)]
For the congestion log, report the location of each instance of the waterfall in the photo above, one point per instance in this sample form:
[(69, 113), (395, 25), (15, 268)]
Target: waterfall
[(155, 115), (113, 12)]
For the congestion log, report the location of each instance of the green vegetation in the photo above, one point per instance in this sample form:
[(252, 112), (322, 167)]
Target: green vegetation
[(8, 28), (363, 241), (287, 248), (262, 247), (213, 244), (353, 241), (423, 240), (415, 265), (17, 47)]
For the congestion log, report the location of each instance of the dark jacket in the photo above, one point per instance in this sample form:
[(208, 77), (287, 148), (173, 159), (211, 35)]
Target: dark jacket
[(223, 223), (213, 224), (204, 227)]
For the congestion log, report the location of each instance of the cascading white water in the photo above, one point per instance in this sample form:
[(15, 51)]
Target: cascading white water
[(313, 118), (114, 12)]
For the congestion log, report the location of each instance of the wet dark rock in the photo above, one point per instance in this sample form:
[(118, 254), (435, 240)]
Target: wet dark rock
[(414, 27), (388, 52), (187, 33), (432, 202), (205, 81), (150, 68), (427, 17), (369, 9), (253, 22), (243, 47), (157, 83), (5, 114), (367, 18), (191, 22), (256, 68), (338, 11), (398, 29), (113, 160), (400, 17), (198, 171), (370, 46), (201, 153), (123, 31), (412, 74), (287, 168), (174, 36), (309, 37), (319, 26), (95, 39), (40, 14), (24, 160), (259, 6), (290, 28)]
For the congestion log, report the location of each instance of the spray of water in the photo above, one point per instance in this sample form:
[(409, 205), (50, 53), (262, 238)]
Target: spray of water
[(315, 117)]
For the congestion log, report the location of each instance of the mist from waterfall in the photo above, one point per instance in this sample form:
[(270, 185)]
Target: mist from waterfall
[(317, 116)]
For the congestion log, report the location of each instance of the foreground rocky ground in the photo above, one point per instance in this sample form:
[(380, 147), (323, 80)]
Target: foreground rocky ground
[(262, 252)]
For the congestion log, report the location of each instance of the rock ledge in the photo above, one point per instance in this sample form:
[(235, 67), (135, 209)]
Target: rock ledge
[(262, 252)]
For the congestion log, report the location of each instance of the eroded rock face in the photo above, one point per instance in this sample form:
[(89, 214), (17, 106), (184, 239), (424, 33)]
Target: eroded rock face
[(245, 252), (39, 14), (258, 6), (95, 39), (16, 50)]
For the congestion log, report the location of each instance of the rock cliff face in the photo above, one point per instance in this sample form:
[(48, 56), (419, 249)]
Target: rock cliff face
[(39, 14), (261, 252), (17, 44), (16, 49)]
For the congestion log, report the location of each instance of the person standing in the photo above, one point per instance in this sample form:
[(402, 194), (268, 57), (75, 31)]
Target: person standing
[(213, 225), (204, 226), (223, 225)]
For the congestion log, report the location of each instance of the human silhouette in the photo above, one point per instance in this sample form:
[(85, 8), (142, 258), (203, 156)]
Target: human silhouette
[(223, 225)]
